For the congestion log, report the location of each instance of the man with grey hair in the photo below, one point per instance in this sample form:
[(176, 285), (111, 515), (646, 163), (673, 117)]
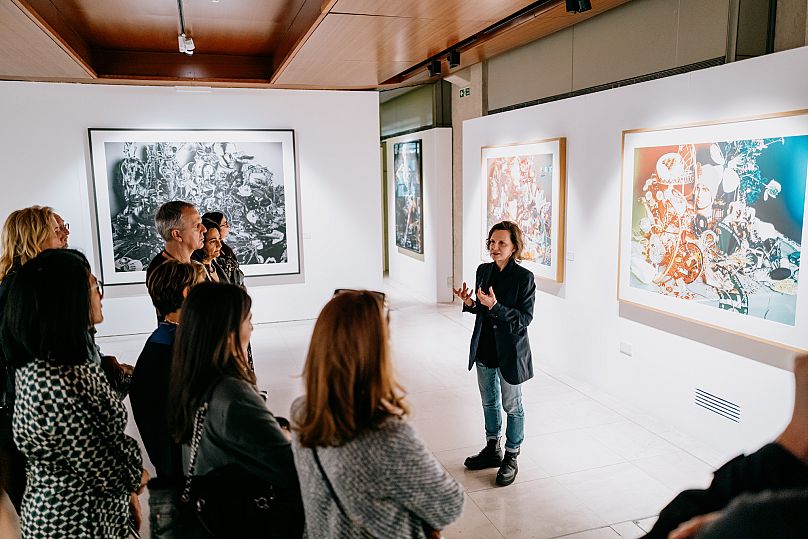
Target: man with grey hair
[(180, 225)]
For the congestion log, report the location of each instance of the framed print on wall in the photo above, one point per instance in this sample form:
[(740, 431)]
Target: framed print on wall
[(249, 175), (409, 200), (712, 224), (526, 183)]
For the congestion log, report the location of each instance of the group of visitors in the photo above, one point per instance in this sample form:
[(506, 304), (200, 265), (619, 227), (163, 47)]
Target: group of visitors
[(349, 464), (346, 464)]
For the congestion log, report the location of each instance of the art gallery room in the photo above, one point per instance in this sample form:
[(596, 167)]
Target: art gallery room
[(653, 154)]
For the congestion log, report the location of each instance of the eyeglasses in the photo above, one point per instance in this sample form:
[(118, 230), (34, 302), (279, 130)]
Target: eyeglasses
[(378, 295), (65, 227)]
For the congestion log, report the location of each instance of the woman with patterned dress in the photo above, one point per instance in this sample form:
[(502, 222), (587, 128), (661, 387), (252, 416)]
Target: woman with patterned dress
[(83, 471)]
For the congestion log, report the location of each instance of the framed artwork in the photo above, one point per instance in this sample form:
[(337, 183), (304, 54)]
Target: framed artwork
[(249, 175), (409, 200), (526, 184), (712, 224)]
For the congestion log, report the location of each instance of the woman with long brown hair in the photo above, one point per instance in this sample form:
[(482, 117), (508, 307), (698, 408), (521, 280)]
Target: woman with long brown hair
[(363, 470), (240, 443)]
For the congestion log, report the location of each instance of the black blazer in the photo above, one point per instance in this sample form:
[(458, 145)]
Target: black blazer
[(513, 312)]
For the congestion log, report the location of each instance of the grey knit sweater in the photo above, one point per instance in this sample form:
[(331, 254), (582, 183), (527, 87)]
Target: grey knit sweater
[(386, 480)]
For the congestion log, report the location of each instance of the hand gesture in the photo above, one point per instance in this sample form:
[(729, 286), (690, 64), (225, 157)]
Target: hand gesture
[(490, 299), (464, 294)]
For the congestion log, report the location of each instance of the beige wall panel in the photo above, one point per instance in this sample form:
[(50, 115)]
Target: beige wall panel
[(790, 28), (539, 69), (409, 111), (634, 39), (702, 30)]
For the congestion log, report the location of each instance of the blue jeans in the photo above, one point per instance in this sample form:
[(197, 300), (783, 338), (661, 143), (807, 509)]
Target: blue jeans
[(492, 384), (166, 519)]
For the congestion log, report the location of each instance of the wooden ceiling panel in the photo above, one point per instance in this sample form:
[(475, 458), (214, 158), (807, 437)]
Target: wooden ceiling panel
[(288, 43), (29, 52), (341, 74), (360, 37), (444, 10), (225, 27)]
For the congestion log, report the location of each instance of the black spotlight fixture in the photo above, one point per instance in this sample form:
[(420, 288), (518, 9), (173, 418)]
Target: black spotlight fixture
[(578, 6), (434, 67), (453, 58)]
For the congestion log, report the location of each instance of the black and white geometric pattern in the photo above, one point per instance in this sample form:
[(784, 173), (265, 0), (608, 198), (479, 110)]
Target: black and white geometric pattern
[(82, 468)]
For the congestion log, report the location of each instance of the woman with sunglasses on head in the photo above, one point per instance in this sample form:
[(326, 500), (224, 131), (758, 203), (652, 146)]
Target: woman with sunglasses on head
[(363, 470), (26, 233), (213, 389), (227, 258), (83, 471), (500, 349)]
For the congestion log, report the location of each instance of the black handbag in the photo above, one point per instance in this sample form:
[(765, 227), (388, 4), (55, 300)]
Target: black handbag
[(227, 502)]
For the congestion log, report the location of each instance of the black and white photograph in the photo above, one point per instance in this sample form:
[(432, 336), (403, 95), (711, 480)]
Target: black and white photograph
[(249, 175)]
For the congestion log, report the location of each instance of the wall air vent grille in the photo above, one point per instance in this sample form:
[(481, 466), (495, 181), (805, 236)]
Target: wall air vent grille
[(717, 405)]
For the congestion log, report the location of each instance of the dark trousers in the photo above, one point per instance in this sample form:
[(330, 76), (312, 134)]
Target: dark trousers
[(772, 467)]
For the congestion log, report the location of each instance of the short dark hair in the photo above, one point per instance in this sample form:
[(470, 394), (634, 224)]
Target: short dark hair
[(168, 281), (47, 315), (169, 217), (516, 237), (210, 324)]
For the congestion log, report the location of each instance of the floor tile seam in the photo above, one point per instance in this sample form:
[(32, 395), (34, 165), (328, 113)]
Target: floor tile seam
[(584, 531), (634, 521), (468, 496), (455, 321), (564, 474)]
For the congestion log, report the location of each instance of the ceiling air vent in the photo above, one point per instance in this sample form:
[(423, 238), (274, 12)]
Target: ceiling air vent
[(717, 405)]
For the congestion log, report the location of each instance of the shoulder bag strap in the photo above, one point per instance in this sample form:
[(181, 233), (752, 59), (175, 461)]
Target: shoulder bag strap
[(365, 533), (199, 425), (328, 484)]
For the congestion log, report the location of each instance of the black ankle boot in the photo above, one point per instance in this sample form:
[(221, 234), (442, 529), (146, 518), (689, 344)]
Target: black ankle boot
[(489, 457), (508, 470)]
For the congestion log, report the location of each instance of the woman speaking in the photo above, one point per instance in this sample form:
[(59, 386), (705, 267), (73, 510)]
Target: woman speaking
[(500, 348)]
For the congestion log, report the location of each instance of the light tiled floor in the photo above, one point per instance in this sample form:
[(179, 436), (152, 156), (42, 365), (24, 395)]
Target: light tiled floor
[(591, 467)]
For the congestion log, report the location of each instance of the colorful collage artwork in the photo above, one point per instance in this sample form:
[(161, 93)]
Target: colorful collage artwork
[(720, 223), (525, 185), (713, 224)]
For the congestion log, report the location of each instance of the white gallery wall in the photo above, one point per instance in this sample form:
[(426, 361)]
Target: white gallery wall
[(579, 327), (429, 275), (45, 157)]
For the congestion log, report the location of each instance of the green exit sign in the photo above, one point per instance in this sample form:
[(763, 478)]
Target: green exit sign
[(465, 92)]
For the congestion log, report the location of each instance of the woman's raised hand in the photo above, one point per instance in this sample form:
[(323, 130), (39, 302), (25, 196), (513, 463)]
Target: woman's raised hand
[(464, 294)]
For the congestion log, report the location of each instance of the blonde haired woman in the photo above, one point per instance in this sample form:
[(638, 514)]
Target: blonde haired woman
[(363, 470), (26, 233)]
